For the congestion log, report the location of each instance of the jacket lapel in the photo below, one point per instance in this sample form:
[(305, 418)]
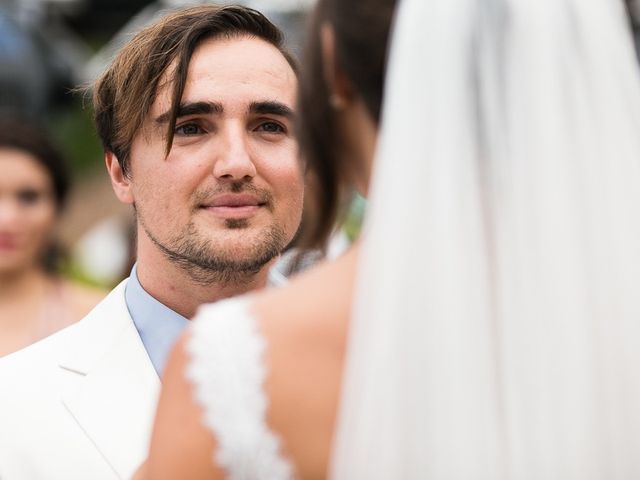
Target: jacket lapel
[(109, 385)]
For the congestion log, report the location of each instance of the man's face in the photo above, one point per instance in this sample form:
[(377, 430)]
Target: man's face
[(228, 197)]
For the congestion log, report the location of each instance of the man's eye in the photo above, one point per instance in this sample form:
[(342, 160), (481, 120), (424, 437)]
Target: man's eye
[(189, 129), (271, 127), (29, 196)]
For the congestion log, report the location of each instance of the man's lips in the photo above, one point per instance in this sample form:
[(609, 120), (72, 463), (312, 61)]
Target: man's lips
[(234, 200), (239, 205)]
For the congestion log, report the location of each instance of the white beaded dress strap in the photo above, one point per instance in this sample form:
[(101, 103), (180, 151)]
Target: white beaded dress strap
[(228, 373)]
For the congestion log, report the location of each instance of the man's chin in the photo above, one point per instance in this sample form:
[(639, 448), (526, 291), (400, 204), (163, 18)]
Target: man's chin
[(244, 246), (237, 223), (246, 254)]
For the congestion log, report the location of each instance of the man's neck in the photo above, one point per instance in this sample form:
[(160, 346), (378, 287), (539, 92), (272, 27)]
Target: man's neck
[(176, 288)]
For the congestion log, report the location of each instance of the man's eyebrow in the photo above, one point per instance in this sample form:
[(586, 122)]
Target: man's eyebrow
[(195, 108), (271, 107)]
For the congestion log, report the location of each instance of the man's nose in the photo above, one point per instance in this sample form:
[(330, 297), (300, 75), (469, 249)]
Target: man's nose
[(234, 160)]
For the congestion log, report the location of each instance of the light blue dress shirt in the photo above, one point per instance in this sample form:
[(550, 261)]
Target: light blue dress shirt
[(158, 326)]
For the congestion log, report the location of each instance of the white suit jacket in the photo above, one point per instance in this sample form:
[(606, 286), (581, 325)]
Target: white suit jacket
[(79, 405)]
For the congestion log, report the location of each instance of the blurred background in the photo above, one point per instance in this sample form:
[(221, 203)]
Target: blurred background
[(49, 48)]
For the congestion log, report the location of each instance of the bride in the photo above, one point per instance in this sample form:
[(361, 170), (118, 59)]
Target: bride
[(495, 326)]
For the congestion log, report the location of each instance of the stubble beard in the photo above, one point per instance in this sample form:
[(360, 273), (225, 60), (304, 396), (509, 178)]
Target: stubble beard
[(206, 264)]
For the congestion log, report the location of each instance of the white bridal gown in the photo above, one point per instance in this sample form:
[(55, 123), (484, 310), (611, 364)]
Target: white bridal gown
[(227, 372)]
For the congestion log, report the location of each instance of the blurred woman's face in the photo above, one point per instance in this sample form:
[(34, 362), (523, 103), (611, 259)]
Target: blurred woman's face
[(27, 210)]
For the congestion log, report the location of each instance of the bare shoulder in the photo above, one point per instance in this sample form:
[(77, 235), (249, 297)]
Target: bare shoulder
[(308, 318), (80, 298), (314, 300), (306, 325)]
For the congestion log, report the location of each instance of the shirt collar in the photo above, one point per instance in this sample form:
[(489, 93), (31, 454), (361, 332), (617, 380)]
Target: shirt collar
[(158, 326), (275, 277)]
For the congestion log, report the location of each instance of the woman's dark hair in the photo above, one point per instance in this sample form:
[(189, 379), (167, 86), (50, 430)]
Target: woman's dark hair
[(361, 30), (20, 133)]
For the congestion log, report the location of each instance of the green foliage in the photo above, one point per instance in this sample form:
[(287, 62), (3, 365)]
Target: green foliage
[(353, 219), (72, 127)]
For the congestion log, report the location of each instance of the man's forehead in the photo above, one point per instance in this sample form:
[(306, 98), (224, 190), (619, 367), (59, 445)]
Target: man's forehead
[(240, 61), (234, 72)]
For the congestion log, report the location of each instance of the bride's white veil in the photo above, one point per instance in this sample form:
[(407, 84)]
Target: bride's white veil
[(496, 332)]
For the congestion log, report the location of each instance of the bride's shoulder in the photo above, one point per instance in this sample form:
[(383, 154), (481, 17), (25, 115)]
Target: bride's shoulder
[(305, 324), (319, 294), (315, 299), (312, 309), (281, 340)]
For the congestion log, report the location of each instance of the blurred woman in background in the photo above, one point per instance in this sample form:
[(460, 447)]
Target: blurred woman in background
[(34, 300)]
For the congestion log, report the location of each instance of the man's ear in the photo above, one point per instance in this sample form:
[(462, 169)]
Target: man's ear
[(337, 83), (119, 181)]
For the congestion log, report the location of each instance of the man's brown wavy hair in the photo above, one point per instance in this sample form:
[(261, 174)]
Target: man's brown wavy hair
[(124, 94)]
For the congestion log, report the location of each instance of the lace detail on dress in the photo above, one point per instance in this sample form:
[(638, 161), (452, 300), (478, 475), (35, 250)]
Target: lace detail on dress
[(228, 374)]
